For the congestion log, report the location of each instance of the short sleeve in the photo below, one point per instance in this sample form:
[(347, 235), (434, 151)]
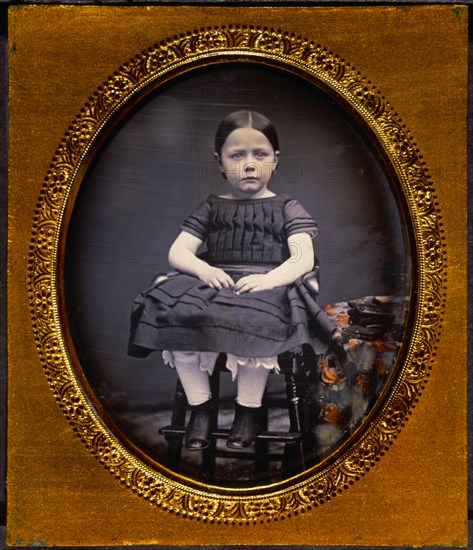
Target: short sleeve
[(298, 220), (197, 223)]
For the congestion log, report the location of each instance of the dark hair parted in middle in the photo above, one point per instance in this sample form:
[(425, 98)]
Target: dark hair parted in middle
[(245, 119)]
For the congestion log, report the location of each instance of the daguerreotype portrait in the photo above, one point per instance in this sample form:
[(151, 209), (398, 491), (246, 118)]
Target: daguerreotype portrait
[(238, 277), (257, 227)]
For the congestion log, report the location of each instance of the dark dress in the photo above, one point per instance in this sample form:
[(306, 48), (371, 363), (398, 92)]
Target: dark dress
[(180, 312)]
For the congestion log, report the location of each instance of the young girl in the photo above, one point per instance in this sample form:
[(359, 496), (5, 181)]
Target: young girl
[(241, 261)]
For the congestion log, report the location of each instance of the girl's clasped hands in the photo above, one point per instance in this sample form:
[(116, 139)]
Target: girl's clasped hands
[(218, 279)]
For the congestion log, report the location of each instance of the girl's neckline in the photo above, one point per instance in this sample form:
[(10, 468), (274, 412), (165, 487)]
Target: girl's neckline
[(272, 197)]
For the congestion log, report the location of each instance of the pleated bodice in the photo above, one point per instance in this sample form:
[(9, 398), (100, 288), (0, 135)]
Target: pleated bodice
[(252, 231)]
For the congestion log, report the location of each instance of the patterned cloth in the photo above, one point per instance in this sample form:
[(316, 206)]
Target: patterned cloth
[(344, 386), (246, 236)]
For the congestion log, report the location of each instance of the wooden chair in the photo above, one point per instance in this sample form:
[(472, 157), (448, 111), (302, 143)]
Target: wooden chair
[(295, 442)]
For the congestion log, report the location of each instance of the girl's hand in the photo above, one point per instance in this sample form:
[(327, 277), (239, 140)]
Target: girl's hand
[(253, 283), (214, 277)]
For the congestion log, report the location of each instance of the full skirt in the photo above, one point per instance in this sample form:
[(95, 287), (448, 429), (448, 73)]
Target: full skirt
[(180, 312)]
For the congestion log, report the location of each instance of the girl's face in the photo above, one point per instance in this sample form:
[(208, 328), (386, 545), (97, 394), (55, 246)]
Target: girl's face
[(248, 161)]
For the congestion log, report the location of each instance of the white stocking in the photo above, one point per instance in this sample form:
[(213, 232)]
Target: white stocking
[(195, 382), (251, 383)]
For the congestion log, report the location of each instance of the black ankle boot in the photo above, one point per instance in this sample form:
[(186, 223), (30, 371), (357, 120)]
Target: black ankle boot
[(246, 426), (199, 428)]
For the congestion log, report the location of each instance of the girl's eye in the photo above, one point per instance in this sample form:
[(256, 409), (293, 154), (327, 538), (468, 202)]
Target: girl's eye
[(261, 154), (236, 156)]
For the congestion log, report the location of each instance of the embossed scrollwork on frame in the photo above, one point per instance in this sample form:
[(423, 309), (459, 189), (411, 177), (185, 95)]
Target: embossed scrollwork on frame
[(319, 65)]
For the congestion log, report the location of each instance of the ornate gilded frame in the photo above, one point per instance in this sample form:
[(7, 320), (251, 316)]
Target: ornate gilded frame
[(160, 64), (421, 205)]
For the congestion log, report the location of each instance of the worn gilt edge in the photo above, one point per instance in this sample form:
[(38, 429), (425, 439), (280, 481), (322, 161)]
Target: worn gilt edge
[(207, 504)]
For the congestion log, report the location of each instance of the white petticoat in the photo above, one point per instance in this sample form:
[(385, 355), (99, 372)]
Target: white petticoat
[(207, 361)]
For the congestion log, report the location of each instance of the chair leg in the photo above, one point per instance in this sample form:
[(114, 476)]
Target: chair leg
[(294, 454), (208, 455), (178, 419), (262, 446)]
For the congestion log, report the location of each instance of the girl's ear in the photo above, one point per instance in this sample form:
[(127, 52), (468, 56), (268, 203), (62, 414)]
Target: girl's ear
[(219, 162), (220, 165), (276, 159)]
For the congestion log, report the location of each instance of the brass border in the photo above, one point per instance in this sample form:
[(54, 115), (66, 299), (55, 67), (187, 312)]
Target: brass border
[(122, 90)]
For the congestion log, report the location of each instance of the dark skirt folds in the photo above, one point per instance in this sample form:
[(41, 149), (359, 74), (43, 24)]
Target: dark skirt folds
[(180, 312)]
